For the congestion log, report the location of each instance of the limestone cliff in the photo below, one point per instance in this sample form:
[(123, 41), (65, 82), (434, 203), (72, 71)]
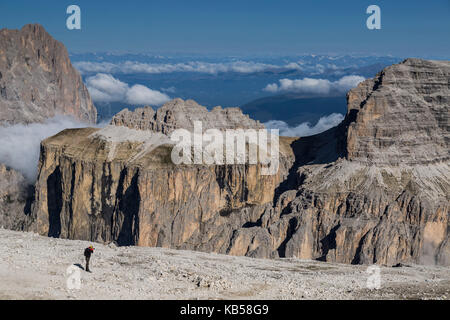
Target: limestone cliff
[(37, 80), (15, 200), (119, 184), (375, 189), (402, 115)]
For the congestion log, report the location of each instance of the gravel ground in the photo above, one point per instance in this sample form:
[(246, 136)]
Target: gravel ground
[(35, 267)]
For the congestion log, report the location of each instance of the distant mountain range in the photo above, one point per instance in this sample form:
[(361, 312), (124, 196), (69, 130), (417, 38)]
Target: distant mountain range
[(232, 81)]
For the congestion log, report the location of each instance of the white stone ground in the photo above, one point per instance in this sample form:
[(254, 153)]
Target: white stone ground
[(34, 267)]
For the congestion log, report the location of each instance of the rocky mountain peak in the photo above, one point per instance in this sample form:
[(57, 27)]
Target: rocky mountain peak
[(37, 79), (178, 113), (402, 116)]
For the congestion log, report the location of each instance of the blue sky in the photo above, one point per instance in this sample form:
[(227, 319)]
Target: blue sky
[(261, 27)]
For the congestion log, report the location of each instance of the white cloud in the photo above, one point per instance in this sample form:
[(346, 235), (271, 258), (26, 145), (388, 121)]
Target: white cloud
[(20, 144), (273, 87), (294, 66), (104, 88), (86, 66), (140, 95), (128, 67), (317, 86), (348, 82), (305, 129), (320, 86)]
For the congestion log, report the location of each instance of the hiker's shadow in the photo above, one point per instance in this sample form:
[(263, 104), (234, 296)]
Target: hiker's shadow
[(79, 266)]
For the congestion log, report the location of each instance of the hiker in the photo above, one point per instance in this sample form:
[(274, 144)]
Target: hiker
[(87, 254)]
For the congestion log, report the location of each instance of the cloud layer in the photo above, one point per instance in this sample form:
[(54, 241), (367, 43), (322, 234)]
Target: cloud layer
[(129, 67), (104, 88), (305, 129), (316, 86), (20, 144)]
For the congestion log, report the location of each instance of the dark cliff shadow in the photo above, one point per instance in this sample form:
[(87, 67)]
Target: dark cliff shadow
[(79, 266), (107, 207), (322, 148), (127, 214), (328, 243), (357, 256), (30, 196), (54, 202), (293, 222), (72, 195)]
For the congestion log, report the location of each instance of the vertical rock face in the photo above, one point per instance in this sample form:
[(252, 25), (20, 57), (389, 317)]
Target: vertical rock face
[(119, 184), (402, 115), (15, 200), (37, 80), (362, 192)]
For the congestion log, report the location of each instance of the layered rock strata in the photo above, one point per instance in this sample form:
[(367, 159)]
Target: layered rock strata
[(182, 114), (37, 80)]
